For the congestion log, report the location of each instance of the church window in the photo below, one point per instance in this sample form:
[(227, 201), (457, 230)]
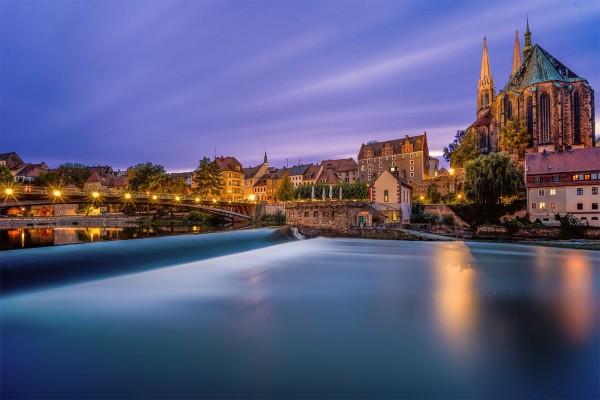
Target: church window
[(576, 119), (386, 196), (529, 116), (487, 100), (544, 118), (507, 109)]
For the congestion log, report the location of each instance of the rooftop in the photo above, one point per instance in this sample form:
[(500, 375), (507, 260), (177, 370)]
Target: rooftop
[(576, 160)]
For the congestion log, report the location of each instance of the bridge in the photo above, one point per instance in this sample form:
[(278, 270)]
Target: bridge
[(24, 196)]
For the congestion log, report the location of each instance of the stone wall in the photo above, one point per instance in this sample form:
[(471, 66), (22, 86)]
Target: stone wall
[(445, 183), (332, 215)]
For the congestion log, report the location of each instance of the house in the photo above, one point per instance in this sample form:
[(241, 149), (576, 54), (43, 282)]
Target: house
[(26, 173), (259, 190), (410, 155), (311, 175), (434, 167), (251, 177), (392, 196), (273, 180), (346, 170), (186, 176), (564, 183), (232, 175), (11, 160), (296, 174), (105, 182)]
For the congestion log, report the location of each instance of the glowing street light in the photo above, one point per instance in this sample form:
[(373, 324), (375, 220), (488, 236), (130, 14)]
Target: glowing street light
[(127, 195), (95, 194), (251, 197), (154, 197), (421, 198), (56, 193), (8, 191), (214, 200), (459, 196), (177, 198), (451, 171), (197, 200)]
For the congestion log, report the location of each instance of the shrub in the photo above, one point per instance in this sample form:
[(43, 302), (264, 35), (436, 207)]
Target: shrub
[(448, 219), (571, 227)]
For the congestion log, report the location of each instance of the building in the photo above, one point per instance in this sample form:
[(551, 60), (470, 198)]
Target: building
[(311, 175), (273, 180), (556, 104), (392, 197), (11, 160), (232, 175), (251, 177), (27, 172), (434, 167), (344, 170), (296, 174), (186, 176), (410, 155), (564, 183), (333, 215), (105, 183)]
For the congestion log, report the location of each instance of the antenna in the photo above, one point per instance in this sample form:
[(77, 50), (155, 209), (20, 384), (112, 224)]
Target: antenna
[(215, 150)]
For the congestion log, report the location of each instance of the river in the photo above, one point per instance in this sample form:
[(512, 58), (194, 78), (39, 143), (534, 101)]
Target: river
[(256, 314)]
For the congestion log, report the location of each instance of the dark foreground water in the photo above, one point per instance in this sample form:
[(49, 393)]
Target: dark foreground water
[(321, 318)]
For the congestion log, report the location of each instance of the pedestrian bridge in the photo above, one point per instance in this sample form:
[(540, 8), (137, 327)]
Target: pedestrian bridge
[(30, 195)]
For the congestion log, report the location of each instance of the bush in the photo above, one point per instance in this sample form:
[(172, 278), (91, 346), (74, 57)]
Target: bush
[(571, 227), (276, 219), (448, 219)]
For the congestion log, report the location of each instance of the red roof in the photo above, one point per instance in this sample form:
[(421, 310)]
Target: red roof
[(418, 142), (484, 120), (343, 165), (576, 160), (229, 164)]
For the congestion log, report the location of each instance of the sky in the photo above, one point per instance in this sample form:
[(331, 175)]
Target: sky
[(123, 82)]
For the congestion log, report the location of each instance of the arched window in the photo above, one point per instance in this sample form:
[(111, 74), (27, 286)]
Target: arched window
[(483, 141), (487, 100), (530, 120), (576, 119), (544, 118), (386, 195), (507, 109)]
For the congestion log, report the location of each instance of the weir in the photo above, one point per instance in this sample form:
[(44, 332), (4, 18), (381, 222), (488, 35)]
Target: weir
[(28, 269)]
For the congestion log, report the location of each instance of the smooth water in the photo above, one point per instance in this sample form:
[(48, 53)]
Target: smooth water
[(321, 318)]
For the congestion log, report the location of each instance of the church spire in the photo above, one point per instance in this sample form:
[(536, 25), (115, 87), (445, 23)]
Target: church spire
[(266, 161), (527, 47), (485, 92), (516, 63)]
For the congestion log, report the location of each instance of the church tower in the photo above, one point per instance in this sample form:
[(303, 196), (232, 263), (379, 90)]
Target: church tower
[(485, 91), (527, 47), (516, 63)]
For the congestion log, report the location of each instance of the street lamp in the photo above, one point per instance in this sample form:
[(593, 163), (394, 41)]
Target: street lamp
[(154, 197), (8, 191), (95, 195), (451, 171), (127, 195), (56, 193), (197, 200), (177, 198)]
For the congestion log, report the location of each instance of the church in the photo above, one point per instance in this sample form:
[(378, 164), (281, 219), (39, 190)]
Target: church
[(556, 104)]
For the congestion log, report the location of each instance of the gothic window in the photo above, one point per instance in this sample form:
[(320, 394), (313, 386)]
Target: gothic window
[(507, 109), (487, 100), (576, 119), (529, 116), (544, 118), (483, 141), (386, 196)]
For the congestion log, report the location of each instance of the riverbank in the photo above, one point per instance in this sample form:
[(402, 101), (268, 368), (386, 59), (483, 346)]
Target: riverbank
[(100, 221)]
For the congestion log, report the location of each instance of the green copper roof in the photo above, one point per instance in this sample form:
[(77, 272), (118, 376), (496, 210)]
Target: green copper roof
[(539, 66)]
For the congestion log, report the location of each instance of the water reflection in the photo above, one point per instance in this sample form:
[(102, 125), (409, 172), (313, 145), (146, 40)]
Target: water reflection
[(577, 308), (456, 303), (21, 238)]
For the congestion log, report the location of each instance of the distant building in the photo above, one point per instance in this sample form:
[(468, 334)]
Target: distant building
[(311, 174), (296, 174), (564, 183), (27, 172), (434, 167), (11, 160), (340, 170), (410, 155), (186, 176), (105, 182), (392, 196), (232, 174)]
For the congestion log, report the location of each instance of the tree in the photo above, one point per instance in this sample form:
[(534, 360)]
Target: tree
[(514, 138), (449, 150), (433, 194), (490, 178), (285, 192), (73, 173), (467, 148), (6, 177), (208, 178), (143, 177)]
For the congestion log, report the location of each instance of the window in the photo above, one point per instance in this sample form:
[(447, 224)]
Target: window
[(412, 168), (594, 189), (411, 156), (386, 196), (412, 162), (537, 179), (412, 174), (553, 206), (541, 192), (576, 119), (552, 192), (594, 206), (555, 178), (315, 214), (393, 164), (507, 109), (529, 116), (544, 118), (587, 177), (580, 206), (335, 214), (542, 205), (594, 218), (533, 206), (380, 165), (369, 177), (306, 213), (579, 191)]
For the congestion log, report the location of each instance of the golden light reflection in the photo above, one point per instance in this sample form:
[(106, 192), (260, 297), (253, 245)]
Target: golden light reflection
[(455, 296), (577, 306)]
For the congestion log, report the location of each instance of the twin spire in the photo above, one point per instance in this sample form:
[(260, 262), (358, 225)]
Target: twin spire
[(516, 63)]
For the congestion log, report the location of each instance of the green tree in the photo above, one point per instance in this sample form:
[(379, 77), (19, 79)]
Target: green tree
[(72, 173), (514, 138), (490, 178), (144, 177), (6, 177), (433, 194), (467, 148), (208, 178), (449, 150), (285, 191)]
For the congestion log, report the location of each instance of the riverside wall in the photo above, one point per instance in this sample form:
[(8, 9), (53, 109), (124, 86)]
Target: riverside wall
[(101, 221)]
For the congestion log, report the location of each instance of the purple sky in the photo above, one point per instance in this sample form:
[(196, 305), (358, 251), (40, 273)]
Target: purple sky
[(125, 82)]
